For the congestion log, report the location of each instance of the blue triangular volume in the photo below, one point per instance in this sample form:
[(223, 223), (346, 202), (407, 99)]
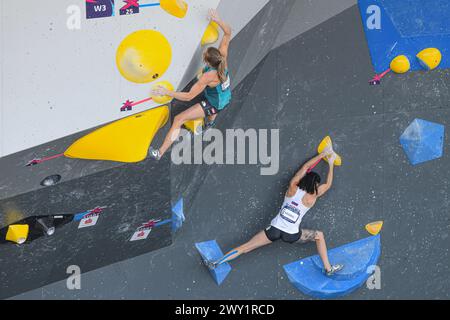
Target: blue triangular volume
[(177, 215), (423, 141), (210, 251), (307, 274)]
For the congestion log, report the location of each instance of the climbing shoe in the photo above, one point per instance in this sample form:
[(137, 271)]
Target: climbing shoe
[(209, 264), (154, 153), (334, 269), (199, 130), (209, 124)]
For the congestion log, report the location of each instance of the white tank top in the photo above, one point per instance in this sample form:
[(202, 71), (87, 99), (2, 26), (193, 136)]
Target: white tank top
[(291, 213)]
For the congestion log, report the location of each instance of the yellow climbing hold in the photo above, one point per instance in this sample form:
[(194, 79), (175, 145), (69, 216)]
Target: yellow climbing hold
[(195, 126), (162, 99), (177, 8), (374, 228), (400, 64), (126, 140), (430, 58), (17, 233), (144, 56), (326, 142), (211, 34)]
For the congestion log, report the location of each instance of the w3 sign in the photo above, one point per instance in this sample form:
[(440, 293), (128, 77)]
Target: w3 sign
[(99, 8)]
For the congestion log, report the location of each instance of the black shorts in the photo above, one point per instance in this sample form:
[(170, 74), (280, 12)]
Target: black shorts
[(208, 108), (274, 234)]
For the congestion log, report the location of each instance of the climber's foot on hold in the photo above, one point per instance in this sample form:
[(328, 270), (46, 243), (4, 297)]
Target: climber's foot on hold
[(209, 264), (199, 130), (155, 154), (202, 129), (334, 269), (209, 124)]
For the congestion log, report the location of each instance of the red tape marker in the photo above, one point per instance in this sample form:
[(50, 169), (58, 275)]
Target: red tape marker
[(377, 79), (128, 105), (130, 3), (40, 160)]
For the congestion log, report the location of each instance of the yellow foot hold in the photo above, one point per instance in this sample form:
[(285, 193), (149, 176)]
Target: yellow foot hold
[(195, 126), (211, 34), (430, 58), (177, 8), (162, 99), (374, 228), (400, 64), (17, 233), (326, 142)]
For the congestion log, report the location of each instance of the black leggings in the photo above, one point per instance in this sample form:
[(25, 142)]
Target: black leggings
[(274, 234)]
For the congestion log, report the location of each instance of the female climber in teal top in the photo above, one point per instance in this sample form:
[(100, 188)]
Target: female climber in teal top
[(214, 83)]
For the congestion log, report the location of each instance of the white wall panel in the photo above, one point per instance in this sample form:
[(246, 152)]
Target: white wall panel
[(57, 82)]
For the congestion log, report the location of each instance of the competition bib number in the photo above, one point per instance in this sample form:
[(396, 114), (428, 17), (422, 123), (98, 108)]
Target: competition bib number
[(226, 84), (290, 214)]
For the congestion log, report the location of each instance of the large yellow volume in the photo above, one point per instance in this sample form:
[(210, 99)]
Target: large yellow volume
[(17, 233), (430, 58), (144, 56), (326, 142), (126, 140), (177, 8)]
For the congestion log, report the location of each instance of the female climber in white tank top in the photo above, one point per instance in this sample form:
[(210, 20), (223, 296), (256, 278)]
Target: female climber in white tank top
[(304, 190), (291, 214)]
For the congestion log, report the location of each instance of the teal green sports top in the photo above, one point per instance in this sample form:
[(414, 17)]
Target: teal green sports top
[(219, 96)]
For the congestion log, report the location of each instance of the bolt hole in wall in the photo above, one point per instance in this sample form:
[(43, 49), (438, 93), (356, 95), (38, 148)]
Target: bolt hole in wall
[(51, 180)]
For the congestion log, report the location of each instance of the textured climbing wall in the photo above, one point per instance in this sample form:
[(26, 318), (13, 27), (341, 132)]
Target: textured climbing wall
[(62, 81), (322, 90), (60, 84), (133, 194), (239, 13)]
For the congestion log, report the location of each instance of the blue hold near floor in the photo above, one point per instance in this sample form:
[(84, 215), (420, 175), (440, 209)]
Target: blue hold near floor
[(358, 258), (210, 251)]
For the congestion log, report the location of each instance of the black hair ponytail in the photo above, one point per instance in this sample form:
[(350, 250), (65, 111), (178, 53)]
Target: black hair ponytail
[(310, 183)]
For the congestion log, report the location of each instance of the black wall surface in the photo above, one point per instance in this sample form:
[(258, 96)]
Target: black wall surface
[(132, 193)]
